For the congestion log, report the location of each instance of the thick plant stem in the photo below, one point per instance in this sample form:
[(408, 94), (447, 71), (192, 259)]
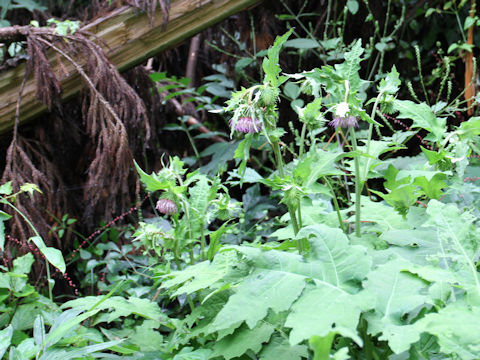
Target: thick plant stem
[(291, 211), (358, 184), (302, 140), (335, 204)]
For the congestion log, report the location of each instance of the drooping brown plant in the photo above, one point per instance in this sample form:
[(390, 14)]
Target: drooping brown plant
[(108, 101)]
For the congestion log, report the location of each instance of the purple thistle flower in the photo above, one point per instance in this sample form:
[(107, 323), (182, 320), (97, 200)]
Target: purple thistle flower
[(344, 122), (166, 206), (246, 125)]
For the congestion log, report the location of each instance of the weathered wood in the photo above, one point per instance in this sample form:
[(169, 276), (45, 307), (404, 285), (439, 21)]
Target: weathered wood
[(129, 39)]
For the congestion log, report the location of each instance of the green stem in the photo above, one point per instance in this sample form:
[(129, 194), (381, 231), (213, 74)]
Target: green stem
[(299, 212), (291, 211), (302, 140), (335, 204), (358, 184), (202, 244), (50, 295)]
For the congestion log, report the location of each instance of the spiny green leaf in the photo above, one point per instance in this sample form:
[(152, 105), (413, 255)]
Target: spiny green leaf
[(422, 116), (270, 63), (391, 83), (349, 69)]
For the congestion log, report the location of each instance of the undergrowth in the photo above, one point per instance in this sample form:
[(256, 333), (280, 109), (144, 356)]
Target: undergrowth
[(319, 238)]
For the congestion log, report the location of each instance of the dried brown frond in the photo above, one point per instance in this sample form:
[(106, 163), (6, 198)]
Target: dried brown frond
[(48, 86), (108, 102)]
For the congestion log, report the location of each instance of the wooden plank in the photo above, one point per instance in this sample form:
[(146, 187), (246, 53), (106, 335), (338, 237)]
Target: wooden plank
[(129, 37)]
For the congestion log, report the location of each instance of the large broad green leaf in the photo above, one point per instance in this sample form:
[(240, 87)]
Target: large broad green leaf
[(5, 338), (322, 309), (279, 349), (199, 276), (316, 164), (259, 292), (368, 162), (456, 328), (396, 292), (242, 340), (422, 116), (341, 261), (379, 216), (460, 243)]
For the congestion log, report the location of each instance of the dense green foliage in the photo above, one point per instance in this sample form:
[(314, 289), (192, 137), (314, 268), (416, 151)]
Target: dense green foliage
[(297, 267)]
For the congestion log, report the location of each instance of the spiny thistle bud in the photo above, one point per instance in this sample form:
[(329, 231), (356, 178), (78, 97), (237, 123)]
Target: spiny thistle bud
[(246, 125), (269, 96), (344, 122), (166, 206)]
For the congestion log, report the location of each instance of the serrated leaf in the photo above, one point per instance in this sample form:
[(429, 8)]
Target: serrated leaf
[(270, 63), (316, 164), (391, 83), (6, 189), (454, 233), (456, 328), (422, 116), (242, 340), (23, 264), (349, 69), (339, 313), (341, 261), (201, 275), (279, 349), (259, 292), (150, 181), (118, 307), (397, 291)]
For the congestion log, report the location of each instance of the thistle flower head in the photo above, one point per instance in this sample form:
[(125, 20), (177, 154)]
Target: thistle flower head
[(344, 122), (166, 206), (246, 125)]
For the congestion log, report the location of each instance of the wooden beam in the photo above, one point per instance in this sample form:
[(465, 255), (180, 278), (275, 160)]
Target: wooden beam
[(129, 39)]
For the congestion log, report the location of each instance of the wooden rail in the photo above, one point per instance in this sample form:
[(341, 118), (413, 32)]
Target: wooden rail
[(129, 39)]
